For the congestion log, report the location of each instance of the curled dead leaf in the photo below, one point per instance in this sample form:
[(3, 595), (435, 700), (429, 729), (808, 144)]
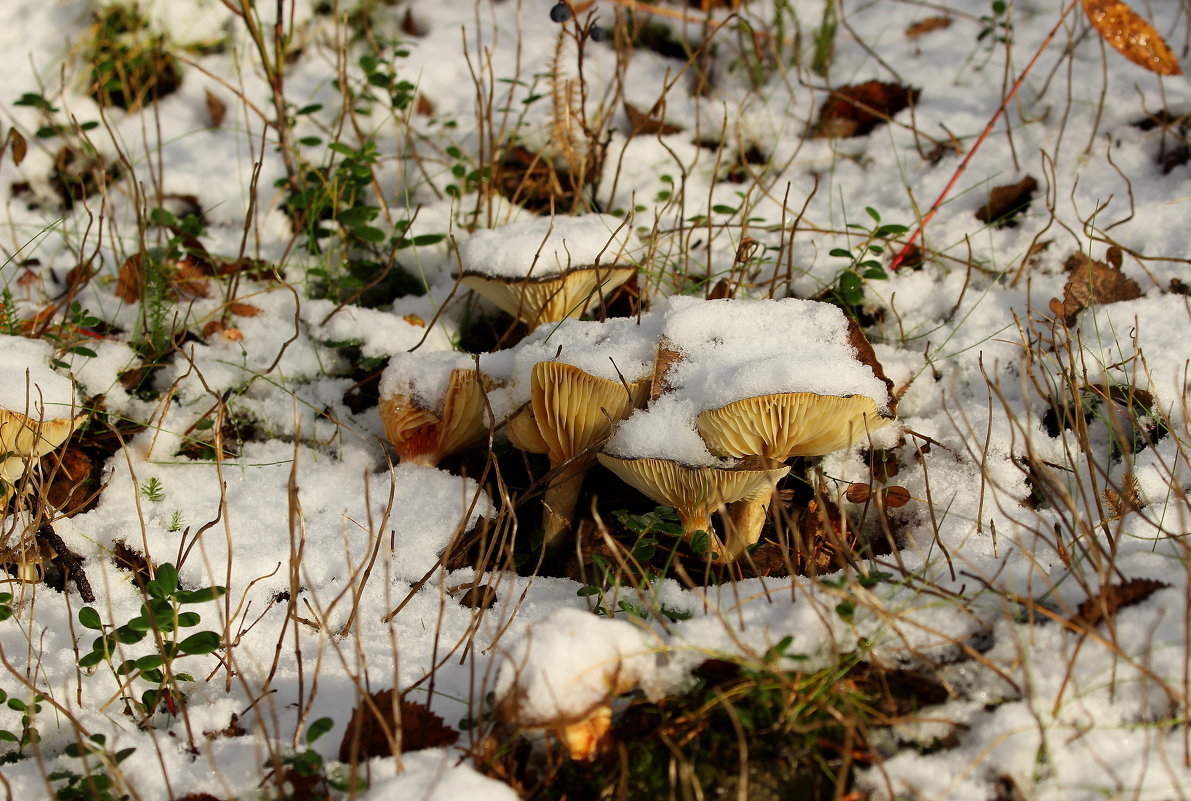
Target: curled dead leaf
[(414, 319), (666, 356), (1131, 36)]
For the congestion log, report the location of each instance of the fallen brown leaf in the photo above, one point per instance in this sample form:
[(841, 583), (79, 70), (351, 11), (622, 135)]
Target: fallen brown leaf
[(19, 147), (666, 356), (927, 25), (1094, 282), (858, 109), (1114, 597), (646, 123), (1006, 203), (1131, 36), (216, 109), (243, 309), (373, 728)]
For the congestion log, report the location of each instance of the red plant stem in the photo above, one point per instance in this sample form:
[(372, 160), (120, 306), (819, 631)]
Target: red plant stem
[(901, 255)]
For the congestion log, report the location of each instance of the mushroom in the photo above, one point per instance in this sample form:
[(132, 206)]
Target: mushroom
[(570, 411), (548, 300), (544, 682), (695, 492), (423, 436), (783, 425), (547, 269), (23, 441), (780, 426)]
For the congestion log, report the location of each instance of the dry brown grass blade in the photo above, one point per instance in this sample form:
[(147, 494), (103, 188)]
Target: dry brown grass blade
[(1131, 36)]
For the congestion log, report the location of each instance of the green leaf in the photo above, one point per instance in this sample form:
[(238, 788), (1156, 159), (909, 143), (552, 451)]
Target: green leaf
[(310, 141), (369, 234), (149, 662), (720, 208), (425, 240), (358, 215), (317, 729), (313, 107), (203, 642), (589, 590), (89, 619), (90, 660), (870, 211), (846, 610), (200, 596), (840, 253), (188, 619), (701, 542), (8, 737), (16, 704)]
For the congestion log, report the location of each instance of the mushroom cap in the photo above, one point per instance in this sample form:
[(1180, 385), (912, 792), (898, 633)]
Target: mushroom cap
[(788, 424), (552, 298), (423, 436), (694, 492), (27, 437), (574, 409)]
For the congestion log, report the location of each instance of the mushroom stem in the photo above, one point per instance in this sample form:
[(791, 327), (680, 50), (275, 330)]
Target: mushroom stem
[(745, 521), (560, 500)]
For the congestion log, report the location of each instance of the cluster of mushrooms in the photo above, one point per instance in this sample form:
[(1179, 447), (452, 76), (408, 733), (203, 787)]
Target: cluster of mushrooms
[(639, 396)]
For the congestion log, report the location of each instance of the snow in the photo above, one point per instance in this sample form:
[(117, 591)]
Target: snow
[(542, 247), (31, 387), (333, 558)]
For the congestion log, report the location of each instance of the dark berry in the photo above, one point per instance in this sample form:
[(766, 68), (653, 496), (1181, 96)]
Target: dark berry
[(560, 13), (599, 34)]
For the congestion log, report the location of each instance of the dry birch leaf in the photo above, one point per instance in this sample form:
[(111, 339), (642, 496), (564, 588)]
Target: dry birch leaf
[(1005, 203), (216, 109), (1113, 597), (1094, 282), (858, 109), (1131, 36), (243, 309), (641, 122), (927, 25), (19, 146)]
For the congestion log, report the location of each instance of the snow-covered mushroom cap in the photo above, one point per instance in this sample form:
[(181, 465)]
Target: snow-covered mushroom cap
[(547, 269), (545, 682), (432, 405), (729, 350), (617, 349)]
